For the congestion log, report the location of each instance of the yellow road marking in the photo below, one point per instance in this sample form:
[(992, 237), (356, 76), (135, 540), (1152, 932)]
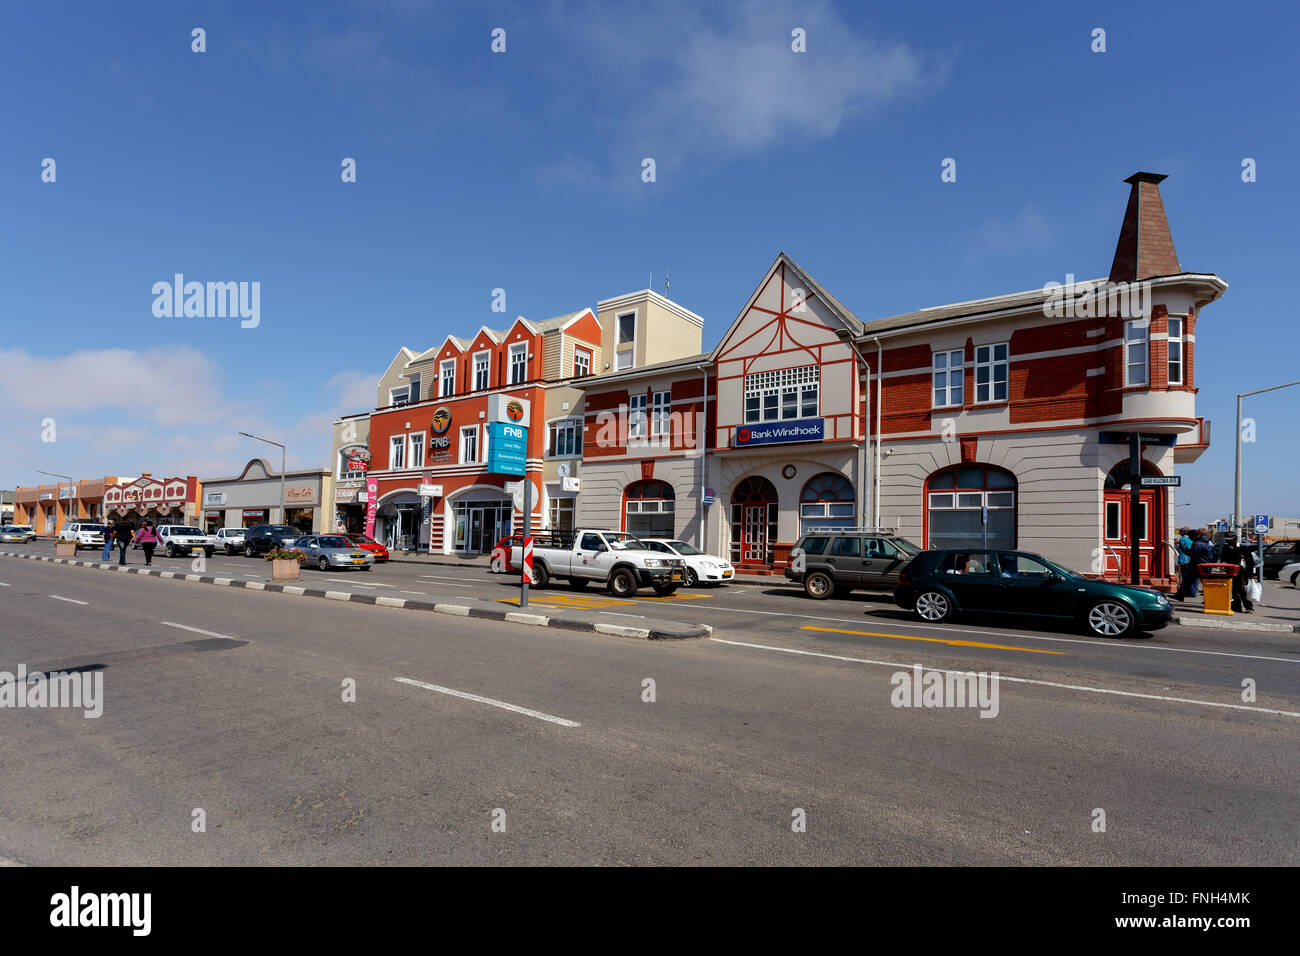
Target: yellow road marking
[(933, 640)]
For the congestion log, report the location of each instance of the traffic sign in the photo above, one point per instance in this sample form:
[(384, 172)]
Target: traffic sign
[(1162, 481), (528, 558), (1261, 524), (1221, 526)]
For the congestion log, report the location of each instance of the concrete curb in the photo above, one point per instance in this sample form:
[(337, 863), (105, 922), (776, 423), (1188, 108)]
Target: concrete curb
[(665, 630), (1227, 624)]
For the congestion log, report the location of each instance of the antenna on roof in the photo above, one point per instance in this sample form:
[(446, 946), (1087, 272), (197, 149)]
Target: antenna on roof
[(665, 282)]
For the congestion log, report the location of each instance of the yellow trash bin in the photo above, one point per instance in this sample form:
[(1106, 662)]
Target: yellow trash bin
[(1216, 582)]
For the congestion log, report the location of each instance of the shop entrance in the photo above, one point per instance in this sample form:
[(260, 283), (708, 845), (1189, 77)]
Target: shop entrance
[(753, 522), (480, 525), (1118, 532)]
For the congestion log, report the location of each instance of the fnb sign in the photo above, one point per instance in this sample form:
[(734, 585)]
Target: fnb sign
[(780, 433)]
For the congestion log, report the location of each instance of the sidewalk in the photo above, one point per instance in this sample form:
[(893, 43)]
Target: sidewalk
[(1279, 610)]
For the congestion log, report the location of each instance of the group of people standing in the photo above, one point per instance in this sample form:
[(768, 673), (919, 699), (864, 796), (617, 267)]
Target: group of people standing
[(121, 534), (1196, 548)]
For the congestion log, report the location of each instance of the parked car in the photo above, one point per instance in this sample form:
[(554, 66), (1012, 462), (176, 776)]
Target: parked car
[(837, 561), (230, 540), (261, 539), (1290, 572), (1279, 554), (18, 532), (368, 544), (614, 559), (499, 561), (708, 568), (85, 534), (937, 585), (327, 551), (178, 540)]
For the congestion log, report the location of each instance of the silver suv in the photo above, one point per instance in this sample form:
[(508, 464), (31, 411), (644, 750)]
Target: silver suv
[(834, 561)]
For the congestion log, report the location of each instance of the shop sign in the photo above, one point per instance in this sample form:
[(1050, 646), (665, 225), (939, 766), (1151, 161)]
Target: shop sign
[(259, 513), (65, 492), (302, 493), (440, 428), (570, 484), (372, 498), (47, 496), (780, 433), (507, 448), (430, 491), (215, 498), (509, 410)]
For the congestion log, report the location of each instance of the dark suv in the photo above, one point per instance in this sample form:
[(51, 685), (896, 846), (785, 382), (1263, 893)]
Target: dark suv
[(261, 539), (937, 585), (836, 562), (1278, 555)]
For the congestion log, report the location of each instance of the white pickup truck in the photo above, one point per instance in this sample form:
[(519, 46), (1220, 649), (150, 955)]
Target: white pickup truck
[(611, 558)]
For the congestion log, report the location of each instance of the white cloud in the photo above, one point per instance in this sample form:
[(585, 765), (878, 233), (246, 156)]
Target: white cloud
[(1026, 229)]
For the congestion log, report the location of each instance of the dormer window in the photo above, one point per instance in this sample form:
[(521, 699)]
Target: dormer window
[(518, 363), (447, 380)]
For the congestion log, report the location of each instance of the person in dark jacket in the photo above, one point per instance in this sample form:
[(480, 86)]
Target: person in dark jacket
[(1202, 552), (1244, 559), (123, 533)]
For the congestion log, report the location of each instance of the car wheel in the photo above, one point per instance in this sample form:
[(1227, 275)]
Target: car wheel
[(366, 567), (207, 552), (818, 585), (1295, 580), (1111, 619), (663, 590), (692, 579), (579, 584), (933, 606), (539, 577), (323, 564), (622, 583), (171, 550)]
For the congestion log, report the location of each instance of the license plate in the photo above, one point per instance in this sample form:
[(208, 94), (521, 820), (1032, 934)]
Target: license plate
[(196, 550), (358, 560), (677, 575), (726, 574)]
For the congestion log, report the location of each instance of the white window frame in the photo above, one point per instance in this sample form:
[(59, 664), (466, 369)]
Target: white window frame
[(518, 348), (415, 389), (636, 417), (396, 452), (998, 371), (482, 370), (415, 441), (618, 329), (586, 356), (573, 428), (404, 390), (1175, 344), (1133, 341), (953, 394), (661, 407), (446, 369), (472, 431), (769, 396)]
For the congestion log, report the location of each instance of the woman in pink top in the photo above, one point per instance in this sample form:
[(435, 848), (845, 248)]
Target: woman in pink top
[(147, 538)]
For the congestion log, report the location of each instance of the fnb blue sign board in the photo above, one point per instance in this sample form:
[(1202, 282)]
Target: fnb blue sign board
[(507, 448), (780, 433)]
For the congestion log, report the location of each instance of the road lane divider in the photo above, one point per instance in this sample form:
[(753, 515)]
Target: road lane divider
[(58, 597), (198, 630), (513, 708), (934, 640), (1016, 680)]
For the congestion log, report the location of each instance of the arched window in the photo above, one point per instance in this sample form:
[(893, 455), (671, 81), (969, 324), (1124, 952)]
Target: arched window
[(650, 508), (971, 506), (825, 502)]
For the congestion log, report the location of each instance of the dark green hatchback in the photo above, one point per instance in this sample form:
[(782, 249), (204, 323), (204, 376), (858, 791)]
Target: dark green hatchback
[(936, 585)]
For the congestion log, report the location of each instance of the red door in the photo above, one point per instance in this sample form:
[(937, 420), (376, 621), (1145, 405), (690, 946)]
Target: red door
[(753, 522), (1118, 534)]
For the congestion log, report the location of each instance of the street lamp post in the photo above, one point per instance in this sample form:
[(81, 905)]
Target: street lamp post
[(282, 459), (71, 495), (1236, 495)]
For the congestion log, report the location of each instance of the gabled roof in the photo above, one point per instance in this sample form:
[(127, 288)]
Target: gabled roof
[(560, 322)]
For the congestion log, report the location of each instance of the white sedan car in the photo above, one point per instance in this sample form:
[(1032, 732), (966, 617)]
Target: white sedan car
[(700, 567), (1290, 572), (85, 534)]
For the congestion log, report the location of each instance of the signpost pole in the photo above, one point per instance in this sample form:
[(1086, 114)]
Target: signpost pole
[(1134, 504), (526, 552)]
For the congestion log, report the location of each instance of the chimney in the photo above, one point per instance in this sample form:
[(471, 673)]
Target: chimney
[(1146, 247)]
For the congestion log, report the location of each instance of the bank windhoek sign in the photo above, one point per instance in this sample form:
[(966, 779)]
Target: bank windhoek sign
[(780, 433)]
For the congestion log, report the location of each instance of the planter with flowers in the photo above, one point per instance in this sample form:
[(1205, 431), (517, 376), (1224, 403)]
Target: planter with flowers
[(286, 563)]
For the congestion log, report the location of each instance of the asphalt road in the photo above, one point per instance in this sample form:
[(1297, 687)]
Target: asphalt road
[(230, 701)]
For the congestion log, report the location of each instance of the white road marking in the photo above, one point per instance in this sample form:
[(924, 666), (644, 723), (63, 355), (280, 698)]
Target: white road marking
[(445, 584), (1018, 680), (415, 592), (69, 600), (437, 577), (3, 585), (370, 586), (197, 630), (620, 614), (514, 708)]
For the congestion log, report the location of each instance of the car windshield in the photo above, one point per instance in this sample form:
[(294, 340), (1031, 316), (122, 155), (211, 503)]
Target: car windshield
[(334, 541), (902, 544), (93, 527), (1285, 547), (282, 530), (185, 531), (624, 542), (681, 547), (232, 531), (362, 539), (1056, 566)]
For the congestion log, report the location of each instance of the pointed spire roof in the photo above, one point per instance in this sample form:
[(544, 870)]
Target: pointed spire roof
[(1146, 247)]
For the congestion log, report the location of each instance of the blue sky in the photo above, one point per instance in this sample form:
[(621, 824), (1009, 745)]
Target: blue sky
[(522, 171)]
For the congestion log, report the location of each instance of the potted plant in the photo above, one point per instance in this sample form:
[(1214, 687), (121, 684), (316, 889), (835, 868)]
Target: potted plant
[(65, 549), (286, 563)]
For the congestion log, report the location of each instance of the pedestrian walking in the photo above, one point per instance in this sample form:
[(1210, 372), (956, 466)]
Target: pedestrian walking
[(1202, 552), (1186, 581), (122, 534), (1245, 562), (147, 538), (108, 543)]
